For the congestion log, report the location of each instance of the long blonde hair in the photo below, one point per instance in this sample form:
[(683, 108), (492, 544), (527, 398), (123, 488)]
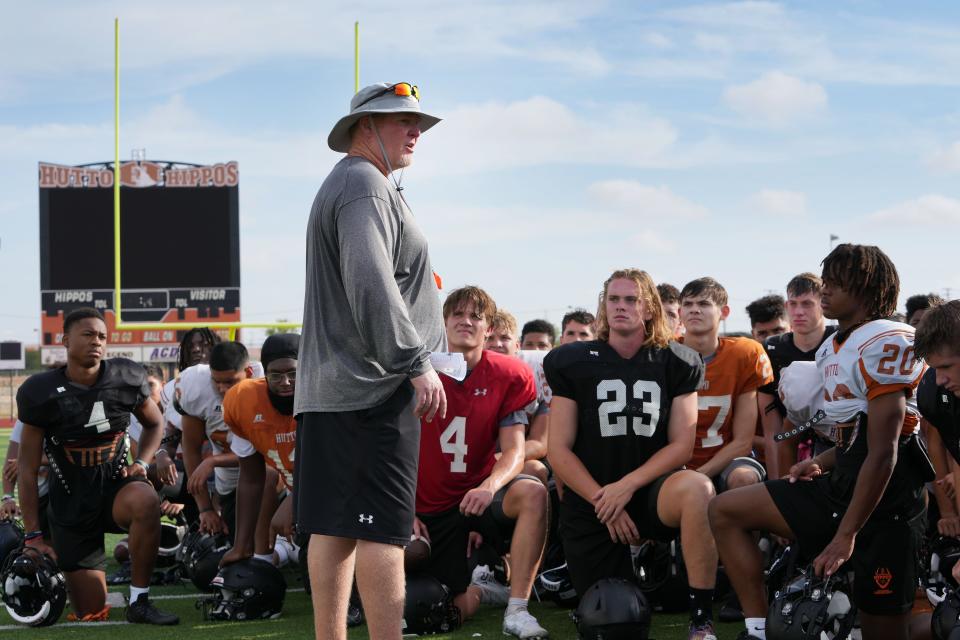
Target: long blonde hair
[(657, 331)]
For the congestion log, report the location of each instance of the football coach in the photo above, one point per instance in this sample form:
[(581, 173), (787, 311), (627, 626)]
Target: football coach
[(371, 319)]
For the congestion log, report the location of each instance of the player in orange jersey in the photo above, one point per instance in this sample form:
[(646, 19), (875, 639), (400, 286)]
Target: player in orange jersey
[(263, 430), (727, 399)]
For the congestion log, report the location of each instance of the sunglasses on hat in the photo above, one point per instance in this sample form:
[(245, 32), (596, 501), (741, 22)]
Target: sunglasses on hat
[(404, 89)]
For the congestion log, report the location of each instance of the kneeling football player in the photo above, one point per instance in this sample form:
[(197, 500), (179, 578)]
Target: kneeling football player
[(259, 412), (860, 505), (78, 414), (462, 486), (623, 422)]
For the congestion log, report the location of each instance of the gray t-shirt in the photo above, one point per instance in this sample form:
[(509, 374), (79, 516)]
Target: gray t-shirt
[(372, 310)]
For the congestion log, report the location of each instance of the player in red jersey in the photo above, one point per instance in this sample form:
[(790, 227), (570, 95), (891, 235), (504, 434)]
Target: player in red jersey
[(727, 398), (462, 486)]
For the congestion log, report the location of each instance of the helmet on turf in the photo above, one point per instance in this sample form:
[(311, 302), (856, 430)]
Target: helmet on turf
[(555, 584), (944, 554), (429, 607), (661, 574), (34, 591), (250, 589), (171, 538), (200, 554), (11, 538), (613, 609), (810, 608)]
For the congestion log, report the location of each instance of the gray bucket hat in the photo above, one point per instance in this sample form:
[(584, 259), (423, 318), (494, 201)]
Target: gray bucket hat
[(377, 98)]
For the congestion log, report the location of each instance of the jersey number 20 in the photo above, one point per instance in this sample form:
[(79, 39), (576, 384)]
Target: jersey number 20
[(612, 420)]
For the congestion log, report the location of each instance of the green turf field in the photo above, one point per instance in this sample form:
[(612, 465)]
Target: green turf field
[(297, 619)]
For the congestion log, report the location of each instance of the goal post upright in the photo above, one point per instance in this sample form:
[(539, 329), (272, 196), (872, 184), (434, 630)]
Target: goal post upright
[(149, 326)]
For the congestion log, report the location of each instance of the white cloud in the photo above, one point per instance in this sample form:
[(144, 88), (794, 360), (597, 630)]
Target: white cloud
[(776, 98), (185, 43), (925, 210), (713, 43), (653, 241), (542, 131), (946, 159), (779, 202), (751, 15), (644, 201), (585, 60), (656, 40)]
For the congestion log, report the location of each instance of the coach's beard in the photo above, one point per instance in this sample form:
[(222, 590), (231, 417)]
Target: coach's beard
[(283, 404)]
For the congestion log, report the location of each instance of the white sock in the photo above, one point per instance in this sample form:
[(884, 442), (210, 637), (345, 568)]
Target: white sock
[(266, 557), (516, 604), (136, 591), (757, 627)]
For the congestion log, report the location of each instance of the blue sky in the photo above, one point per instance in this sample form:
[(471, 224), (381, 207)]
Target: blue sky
[(727, 139)]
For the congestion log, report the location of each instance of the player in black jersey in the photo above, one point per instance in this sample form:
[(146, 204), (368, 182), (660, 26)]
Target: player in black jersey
[(938, 397), (78, 415), (808, 331), (623, 422)]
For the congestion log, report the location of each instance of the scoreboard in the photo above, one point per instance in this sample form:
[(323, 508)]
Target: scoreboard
[(180, 251)]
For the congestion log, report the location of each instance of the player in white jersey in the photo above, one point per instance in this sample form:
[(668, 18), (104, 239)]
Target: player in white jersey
[(503, 339), (199, 398), (860, 504)]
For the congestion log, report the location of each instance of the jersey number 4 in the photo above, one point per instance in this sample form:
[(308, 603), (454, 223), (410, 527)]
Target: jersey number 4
[(613, 422), (453, 440)]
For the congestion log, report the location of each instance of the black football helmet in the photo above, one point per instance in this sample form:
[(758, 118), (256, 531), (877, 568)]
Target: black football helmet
[(613, 609), (781, 571), (200, 555), (810, 608), (11, 538), (34, 591), (171, 538), (250, 589), (944, 554), (555, 584), (661, 574), (429, 607)]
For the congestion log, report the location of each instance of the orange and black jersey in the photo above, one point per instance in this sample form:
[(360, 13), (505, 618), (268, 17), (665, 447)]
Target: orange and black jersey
[(623, 405), (738, 366), (257, 426)]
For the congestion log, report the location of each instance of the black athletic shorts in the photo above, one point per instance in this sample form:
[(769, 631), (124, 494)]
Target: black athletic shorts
[(450, 529), (356, 471), (591, 554), (79, 520), (885, 560)]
